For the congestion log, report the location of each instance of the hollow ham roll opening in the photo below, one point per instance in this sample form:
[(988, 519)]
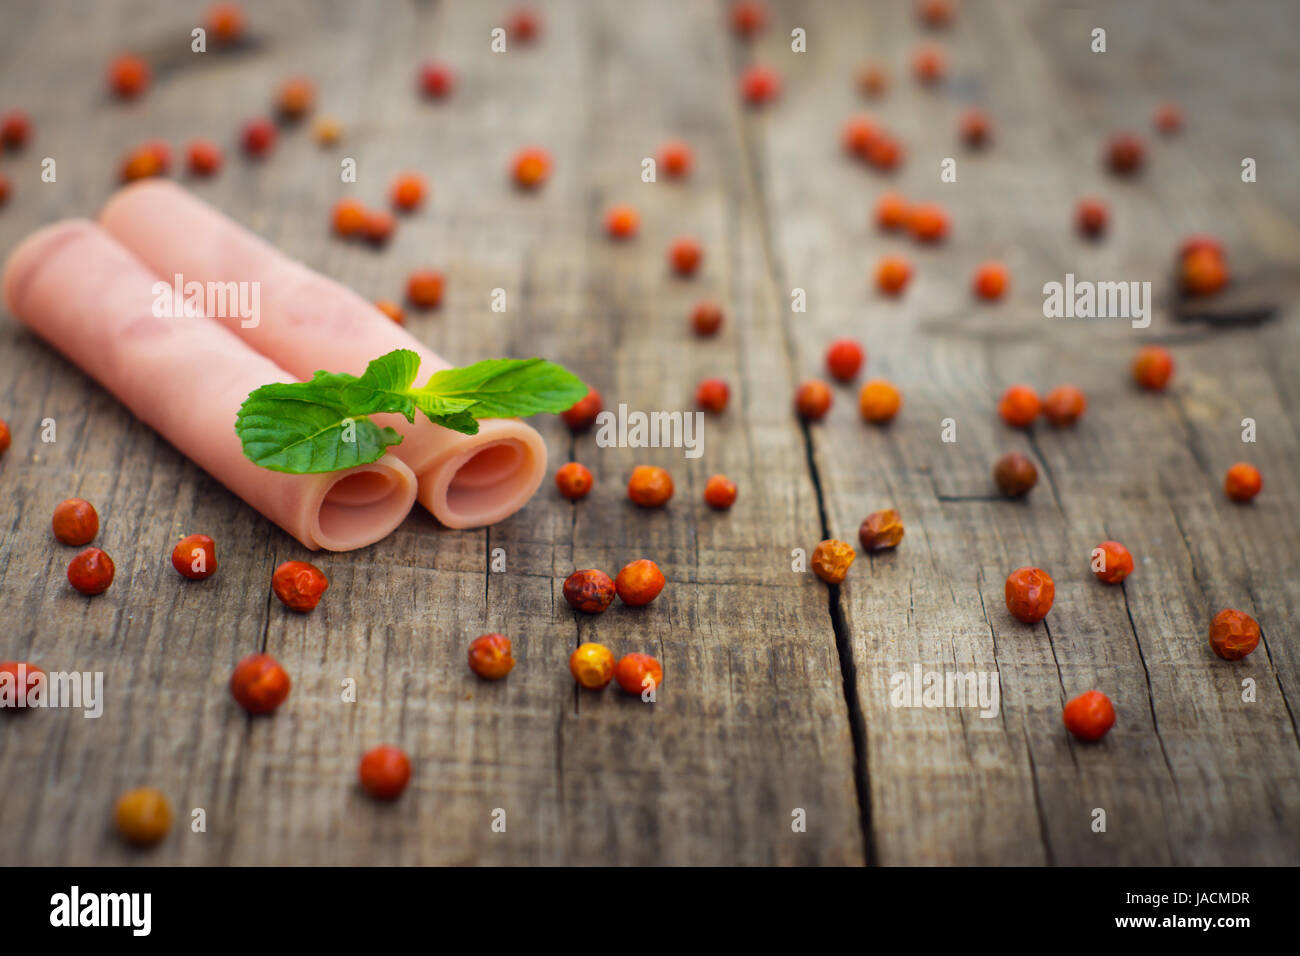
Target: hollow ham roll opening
[(369, 498), (488, 477)]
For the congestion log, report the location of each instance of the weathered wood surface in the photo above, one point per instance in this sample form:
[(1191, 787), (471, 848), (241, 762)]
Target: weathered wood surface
[(775, 697)]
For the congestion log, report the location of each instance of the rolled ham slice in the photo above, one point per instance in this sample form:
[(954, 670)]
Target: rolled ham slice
[(90, 298), (308, 322)]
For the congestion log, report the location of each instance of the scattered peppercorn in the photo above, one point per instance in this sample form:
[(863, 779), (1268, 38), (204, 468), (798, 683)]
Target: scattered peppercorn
[(1198, 242), (392, 310), (1091, 218), (1111, 562), (5, 437), (720, 492), (872, 80), (584, 411), (1030, 592), (990, 281), (928, 65), (676, 159), (24, 679), (844, 358), (880, 530), (531, 167), (638, 673), (639, 583), (524, 24), (259, 684), (436, 80), (226, 22), (892, 274), (859, 133), (1089, 716), (928, 222), (384, 772), (621, 222), (650, 486), (299, 585), (4, 189), (1125, 154), (143, 816), (204, 157), (760, 85), (935, 14), (712, 394), (349, 217), (892, 212), (1019, 406), (1242, 482), (592, 665), (152, 158), (589, 591), (812, 400), (258, 137), (327, 130), (379, 226), (1064, 405), (1153, 367), (1233, 634), (1015, 474), (574, 480), (975, 128), (831, 559), (884, 152), (91, 572), (748, 17), (75, 522), (424, 288), (879, 401), (195, 557), (295, 98), (490, 657), (15, 129), (128, 76), (408, 191), (1203, 272), (684, 255), (706, 319), (1168, 118)]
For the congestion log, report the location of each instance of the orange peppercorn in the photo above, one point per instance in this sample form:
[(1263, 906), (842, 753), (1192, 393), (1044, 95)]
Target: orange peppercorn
[(195, 557), (349, 217), (760, 85), (812, 400), (844, 358), (1198, 242), (128, 76), (975, 128), (75, 522), (15, 129), (639, 583), (1089, 716), (676, 159), (892, 212), (225, 22), (531, 167), (524, 24), (880, 530), (589, 591), (1030, 592), (424, 288), (23, 680), (720, 492), (1233, 634), (1064, 405), (650, 486), (150, 159), (621, 222), (490, 656), (1203, 272), (929, 223), (872, 80), (684, 255), (935, 14), (91, 572), (259, 684), (859, 133), (327, 130), (143, 816), (584, 412), (706, 319), (1111, 562), (1015, 474), (1091, 218), (574, 480), (638, 674), (892, 274), (299, 585), (1168, 118), (1019, 406), (436, 80), (1242, 482), (592, 665), (831, 560), (408, 191), (295, 98), (712, 394), (1153, 367), (204, 157), (384, 772), (258, 137), (5, 437), (392, 310), (1125, 154), (379, 226), (884, 152), (990, 280), (879, 401), (748, 17), (928, 65)]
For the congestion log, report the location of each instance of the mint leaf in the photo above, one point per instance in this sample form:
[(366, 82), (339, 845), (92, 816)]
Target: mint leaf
[(303, 437), (507, 388)]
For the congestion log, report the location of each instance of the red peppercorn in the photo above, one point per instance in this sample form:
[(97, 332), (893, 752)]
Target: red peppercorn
[(23, 680), (91, 571), (884, 152), (1153, 367), (879, 401), (195, 557), (531, 167), (935, 14), (15, 129), (574, 480), (436, 80), (706, 319), (1203, 272), (379, 226), (1064, 405), (872, 80), (349, 217), (392, 310), (720, 492), (892, 212), (1198, 242), (584, 411), (153, 158), (712, 395), (490, 656), (408, 191), (1030, 592), (975, 128), (1242, 482), (760, 85), (384, 772), (589, 591), (1091, 217), (881, 530), (928, 65), (204, 157), (258, 137), (990, 280), (1111, 562), (684, 255), (621, 222), (1233, 634), (75, 521), (831, 560), (650, 486), (225, 22), (1019, 406), (1089, 716), (524, 24), (4, 189), (424, 288), (592, 665), (5, 437), (893, 274), (259, 684), (638, 673), (844, 358), (299, 585), (928, 222), (812, 400), (858, 135), (748, 17), (639, 583), (1168, 118), (128, 76), (1125, 154), (676, 159), (1015, 474), (295, 98)]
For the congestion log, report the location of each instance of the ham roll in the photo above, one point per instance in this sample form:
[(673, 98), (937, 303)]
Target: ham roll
[(308, 322), (90, 298)]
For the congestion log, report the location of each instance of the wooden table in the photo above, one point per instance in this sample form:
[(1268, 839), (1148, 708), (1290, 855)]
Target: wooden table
[(776, 707)]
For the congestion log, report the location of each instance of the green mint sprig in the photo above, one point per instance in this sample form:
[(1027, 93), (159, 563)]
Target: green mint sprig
[(323, 425)]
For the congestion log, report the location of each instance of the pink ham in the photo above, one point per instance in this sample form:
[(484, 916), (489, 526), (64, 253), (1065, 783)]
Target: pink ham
[(81, 291), (308, 322)]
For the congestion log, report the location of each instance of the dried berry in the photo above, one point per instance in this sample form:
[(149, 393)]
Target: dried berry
[(195, 557), (258, 137), (1091, 217), (1125, 154), (584, 411), (327, 130), (712, 394), (1030, 592), (436, 80), (684, 255), (1233, 634), (990, 281), (15, 129), (204, 157), (880, 530), (5, 437), (831, 559), (639, 583), (650, 486), (384, 772), (892, 212), (592, 665), (706, 318), (424, 288), (1203, 272), (91, 572), (879, 401), (295, 98), (589, 591), (892, 274), (748, 17), (152, 158), (1168, 118), (844, 358), (1019, 406), (1111, 562), (392, 310), (1198, 242), (676, 159), (639, 673), (531, 167), (379, 226), (4, 189), (349, 217), (872, 80), (490, 656), (1153, 367), (1089, 716), (408, 191), (259, 684), (299, 585), (524, 24), (1015, 474), (975, 128), (929, 65), (1242, 482), (858, 135), (884, 152), (143, 816), (621, 222), (20, 680), (720, 492), (812, 400), (928, 222), (574, 480), (1064, 405), (935, 14), (75, 522), (128, 76), (760, 85), (225, 23)]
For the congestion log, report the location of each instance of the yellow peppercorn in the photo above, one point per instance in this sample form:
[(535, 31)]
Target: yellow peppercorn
[(592, 665), (143, 815)]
